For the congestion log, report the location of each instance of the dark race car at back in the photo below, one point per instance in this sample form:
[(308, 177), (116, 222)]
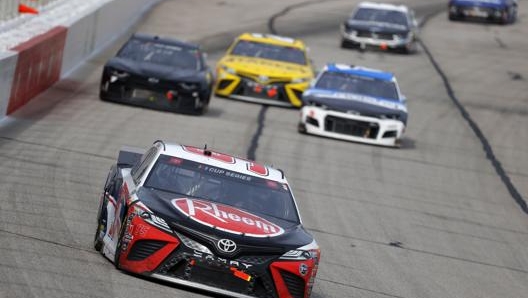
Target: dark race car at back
[(381, 26), (500, 11), (159, 73), (207, 220)]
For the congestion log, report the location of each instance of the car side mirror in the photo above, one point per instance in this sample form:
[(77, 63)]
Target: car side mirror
[(403, 99)]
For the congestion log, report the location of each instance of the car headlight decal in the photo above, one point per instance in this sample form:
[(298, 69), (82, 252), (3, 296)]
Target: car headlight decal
[(307, 252), (300, 80), (155, 221), (118, 75), (228, 69)]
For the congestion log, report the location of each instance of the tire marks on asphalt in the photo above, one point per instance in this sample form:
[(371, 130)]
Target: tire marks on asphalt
[(486, 146), (399, 245)]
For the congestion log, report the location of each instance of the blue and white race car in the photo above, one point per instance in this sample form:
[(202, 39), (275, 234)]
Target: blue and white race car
[(356, 104), (502, 11)]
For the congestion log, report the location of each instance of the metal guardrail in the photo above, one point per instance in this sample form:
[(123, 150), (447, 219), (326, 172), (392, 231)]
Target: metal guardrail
[(9, 8)]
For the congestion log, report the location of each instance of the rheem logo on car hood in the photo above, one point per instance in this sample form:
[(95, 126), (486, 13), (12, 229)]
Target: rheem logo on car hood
[(226, 218)]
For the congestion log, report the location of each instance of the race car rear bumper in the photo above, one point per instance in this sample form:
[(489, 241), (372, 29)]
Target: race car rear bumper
[(350, 127)]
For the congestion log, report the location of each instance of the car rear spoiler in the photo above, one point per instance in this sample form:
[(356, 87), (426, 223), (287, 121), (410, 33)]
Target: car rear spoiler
[(129, 156)]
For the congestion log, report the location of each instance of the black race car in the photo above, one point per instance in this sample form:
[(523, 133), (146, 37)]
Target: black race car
[(382, 26), (207, 220), (159, 73)]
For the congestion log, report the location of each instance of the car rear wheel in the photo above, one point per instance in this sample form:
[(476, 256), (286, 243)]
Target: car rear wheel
[(505, 19), (99, 232), (119, 246)]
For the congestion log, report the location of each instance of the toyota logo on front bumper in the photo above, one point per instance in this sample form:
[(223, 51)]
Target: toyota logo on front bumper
[(226, 245)]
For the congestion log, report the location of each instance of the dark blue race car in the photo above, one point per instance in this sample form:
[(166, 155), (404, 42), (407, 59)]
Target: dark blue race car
[(501, 11)]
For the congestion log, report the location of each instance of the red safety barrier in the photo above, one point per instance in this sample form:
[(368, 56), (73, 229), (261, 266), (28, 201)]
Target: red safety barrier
[(38, 66)]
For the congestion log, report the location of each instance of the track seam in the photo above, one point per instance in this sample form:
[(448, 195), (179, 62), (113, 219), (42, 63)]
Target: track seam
[(486, 146), (48, 241), (252, 149)]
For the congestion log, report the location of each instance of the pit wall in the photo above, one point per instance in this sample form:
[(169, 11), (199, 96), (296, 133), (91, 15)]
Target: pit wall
[(33, 66)]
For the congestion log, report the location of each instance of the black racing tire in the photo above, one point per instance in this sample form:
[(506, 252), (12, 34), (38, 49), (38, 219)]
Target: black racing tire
[(103, 96), (506, 18), (206, 98), (344, 44), (98, 240), (301, 128), (124, 227)]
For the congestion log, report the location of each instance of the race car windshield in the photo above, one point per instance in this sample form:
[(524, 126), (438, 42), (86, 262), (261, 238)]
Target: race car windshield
[(381, 16), (269, 51), (350, 83), (161, 54), (193, 179)]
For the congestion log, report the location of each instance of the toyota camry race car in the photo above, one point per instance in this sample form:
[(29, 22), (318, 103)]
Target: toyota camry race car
[(206, 220), (265, 68), (160, 73), (382, 26), (502, 11), (356, 104)]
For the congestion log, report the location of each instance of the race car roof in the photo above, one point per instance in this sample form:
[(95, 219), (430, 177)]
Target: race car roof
[(360, 71), (273, 39), (224, 161), (164, 40), (384, 6)]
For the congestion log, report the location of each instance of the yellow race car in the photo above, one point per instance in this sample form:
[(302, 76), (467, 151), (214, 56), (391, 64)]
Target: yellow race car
[(266, 69)]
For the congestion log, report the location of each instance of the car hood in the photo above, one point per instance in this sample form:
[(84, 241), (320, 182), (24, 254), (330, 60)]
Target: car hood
[(356, 103), (158, 71), (202, 217), (376, 27), (270, 68)]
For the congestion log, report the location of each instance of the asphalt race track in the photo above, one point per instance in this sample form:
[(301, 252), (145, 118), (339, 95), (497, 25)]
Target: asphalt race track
[(441, 217)]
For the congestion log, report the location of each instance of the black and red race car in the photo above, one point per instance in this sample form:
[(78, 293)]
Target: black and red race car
[(206, 220)]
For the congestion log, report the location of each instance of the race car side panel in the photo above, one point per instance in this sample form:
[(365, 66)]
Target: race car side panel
[(142, 247)]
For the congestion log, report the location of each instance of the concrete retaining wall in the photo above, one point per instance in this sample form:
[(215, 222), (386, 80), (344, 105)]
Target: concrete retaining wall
[(33, 66)]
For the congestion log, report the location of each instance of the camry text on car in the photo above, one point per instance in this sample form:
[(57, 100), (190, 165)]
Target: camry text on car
[(207, 220)]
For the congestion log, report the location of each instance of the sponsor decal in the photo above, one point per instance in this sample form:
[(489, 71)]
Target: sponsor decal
[(257, 169), (226, 245), (38, 66), (375, 23), (303, 269), (226, 218), (209, 258), (390, 104)]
